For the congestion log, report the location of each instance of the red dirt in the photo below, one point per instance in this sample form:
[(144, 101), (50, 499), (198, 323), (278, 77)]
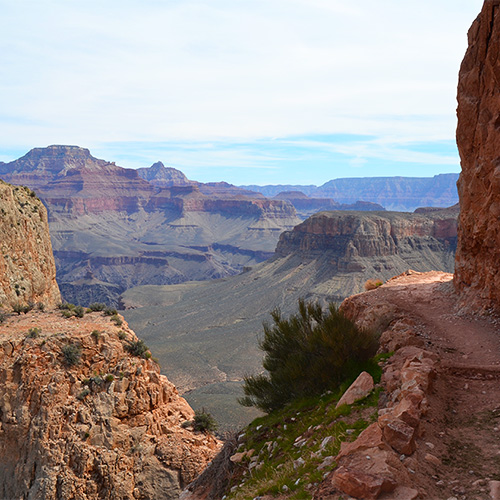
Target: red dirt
[(462, 427)]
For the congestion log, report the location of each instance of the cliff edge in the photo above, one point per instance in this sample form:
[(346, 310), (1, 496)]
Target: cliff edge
[(27, 269), (477, 275)]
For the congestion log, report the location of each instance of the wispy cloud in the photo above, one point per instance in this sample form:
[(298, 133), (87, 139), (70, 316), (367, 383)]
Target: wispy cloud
[(230, 71)]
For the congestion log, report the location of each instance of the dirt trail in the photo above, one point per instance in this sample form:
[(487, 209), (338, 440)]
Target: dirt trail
[(459, 451)]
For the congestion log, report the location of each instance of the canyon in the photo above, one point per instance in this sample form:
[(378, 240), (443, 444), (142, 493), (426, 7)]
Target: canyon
[(84, 411), (394, 193), (111, 229), (205, 334)]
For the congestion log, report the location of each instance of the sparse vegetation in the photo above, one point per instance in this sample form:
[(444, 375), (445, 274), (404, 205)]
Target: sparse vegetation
[(72, 354), (116, 320), (97, 307), (79, 311), (306, 354), (22, 308), (82, 395), (373, 284), (122, 335), (34, 333), (203, 421), (139, 349), (3, 317), (110, 312), (96, 335), (40, 306), (109, 378)]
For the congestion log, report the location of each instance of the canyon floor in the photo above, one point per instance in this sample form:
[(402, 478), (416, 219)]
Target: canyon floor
[(462, 427)]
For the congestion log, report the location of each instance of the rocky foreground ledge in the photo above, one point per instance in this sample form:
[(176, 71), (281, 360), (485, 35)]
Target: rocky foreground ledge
[(82, 417)]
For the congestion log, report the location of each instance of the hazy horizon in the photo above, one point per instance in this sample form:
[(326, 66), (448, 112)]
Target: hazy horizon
[(267, 92)]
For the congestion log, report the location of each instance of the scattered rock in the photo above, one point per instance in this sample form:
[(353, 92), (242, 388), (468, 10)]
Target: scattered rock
[(359, 389)]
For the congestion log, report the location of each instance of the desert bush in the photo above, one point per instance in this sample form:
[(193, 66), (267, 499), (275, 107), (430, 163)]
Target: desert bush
[(71, 354), (310, 352), (96, 334), (79, 311), (203, 421), (139, 349), (116, 320), (34, 333), (97, 307), (21, 308), (109, 378), (66, 306), (82, 395), (40, 306), (372, 284), (3, 317), (108, 311), (122, 335)]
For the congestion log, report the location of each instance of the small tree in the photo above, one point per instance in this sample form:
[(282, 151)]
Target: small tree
[(203, 421), (71, 354), (308, 353)]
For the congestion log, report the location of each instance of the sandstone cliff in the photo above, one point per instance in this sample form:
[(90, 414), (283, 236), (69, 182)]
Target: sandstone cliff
[(477, 274), (27, 269), (83, 418)]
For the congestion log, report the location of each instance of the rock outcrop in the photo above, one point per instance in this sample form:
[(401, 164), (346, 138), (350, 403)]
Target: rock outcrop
[(356, 241), (477, 274), (27, 269), (81, 417)]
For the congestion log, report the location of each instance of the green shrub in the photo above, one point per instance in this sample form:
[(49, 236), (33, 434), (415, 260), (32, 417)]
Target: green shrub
[(20, 308), (79, 311), (67, 313), (110, 312), (72, 354), (97, 307), (40, 306), (306, 354), (66, 306), (3, 317), (116, 320), (122, 335), (203, 421), (96, 334), (109, 378), (34, 333), (83, 394), (139, 349)]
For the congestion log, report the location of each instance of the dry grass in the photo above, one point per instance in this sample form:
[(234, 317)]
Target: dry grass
[(373, 284)]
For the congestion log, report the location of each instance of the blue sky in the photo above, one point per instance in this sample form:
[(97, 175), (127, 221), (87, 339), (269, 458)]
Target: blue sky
[(247, 91)]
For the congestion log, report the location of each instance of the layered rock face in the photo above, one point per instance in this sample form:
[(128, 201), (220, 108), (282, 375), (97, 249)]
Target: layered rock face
[(113, 228), (83, 418), (356, 240), (394, 193), (27, 269), (307, 206), (477, 274)]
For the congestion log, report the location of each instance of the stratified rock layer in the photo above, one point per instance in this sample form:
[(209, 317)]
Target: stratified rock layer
[(106, 427), (27, 269), (477, 274)]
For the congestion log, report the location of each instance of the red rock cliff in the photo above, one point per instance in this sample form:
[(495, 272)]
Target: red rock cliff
[(27, 269), (477, 273)]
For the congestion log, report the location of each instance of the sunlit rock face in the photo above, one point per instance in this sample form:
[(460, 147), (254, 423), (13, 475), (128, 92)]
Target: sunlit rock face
[(477, 273)]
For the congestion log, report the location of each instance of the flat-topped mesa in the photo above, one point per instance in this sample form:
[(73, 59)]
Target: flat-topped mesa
[(477, 273), (353, 237), (27, 269)]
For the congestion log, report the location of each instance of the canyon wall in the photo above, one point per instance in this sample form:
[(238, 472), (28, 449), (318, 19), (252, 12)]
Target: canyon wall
[(477, 273), (27, 269)]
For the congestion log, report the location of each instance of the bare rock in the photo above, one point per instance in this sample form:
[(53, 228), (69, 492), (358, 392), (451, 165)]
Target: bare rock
[(107, 426), (362, 485), (27, 269), (495, 490), (398, 434), (360, 388), (477, 275)]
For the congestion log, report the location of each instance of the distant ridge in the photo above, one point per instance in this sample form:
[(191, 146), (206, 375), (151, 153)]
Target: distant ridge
[(403, 194)]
